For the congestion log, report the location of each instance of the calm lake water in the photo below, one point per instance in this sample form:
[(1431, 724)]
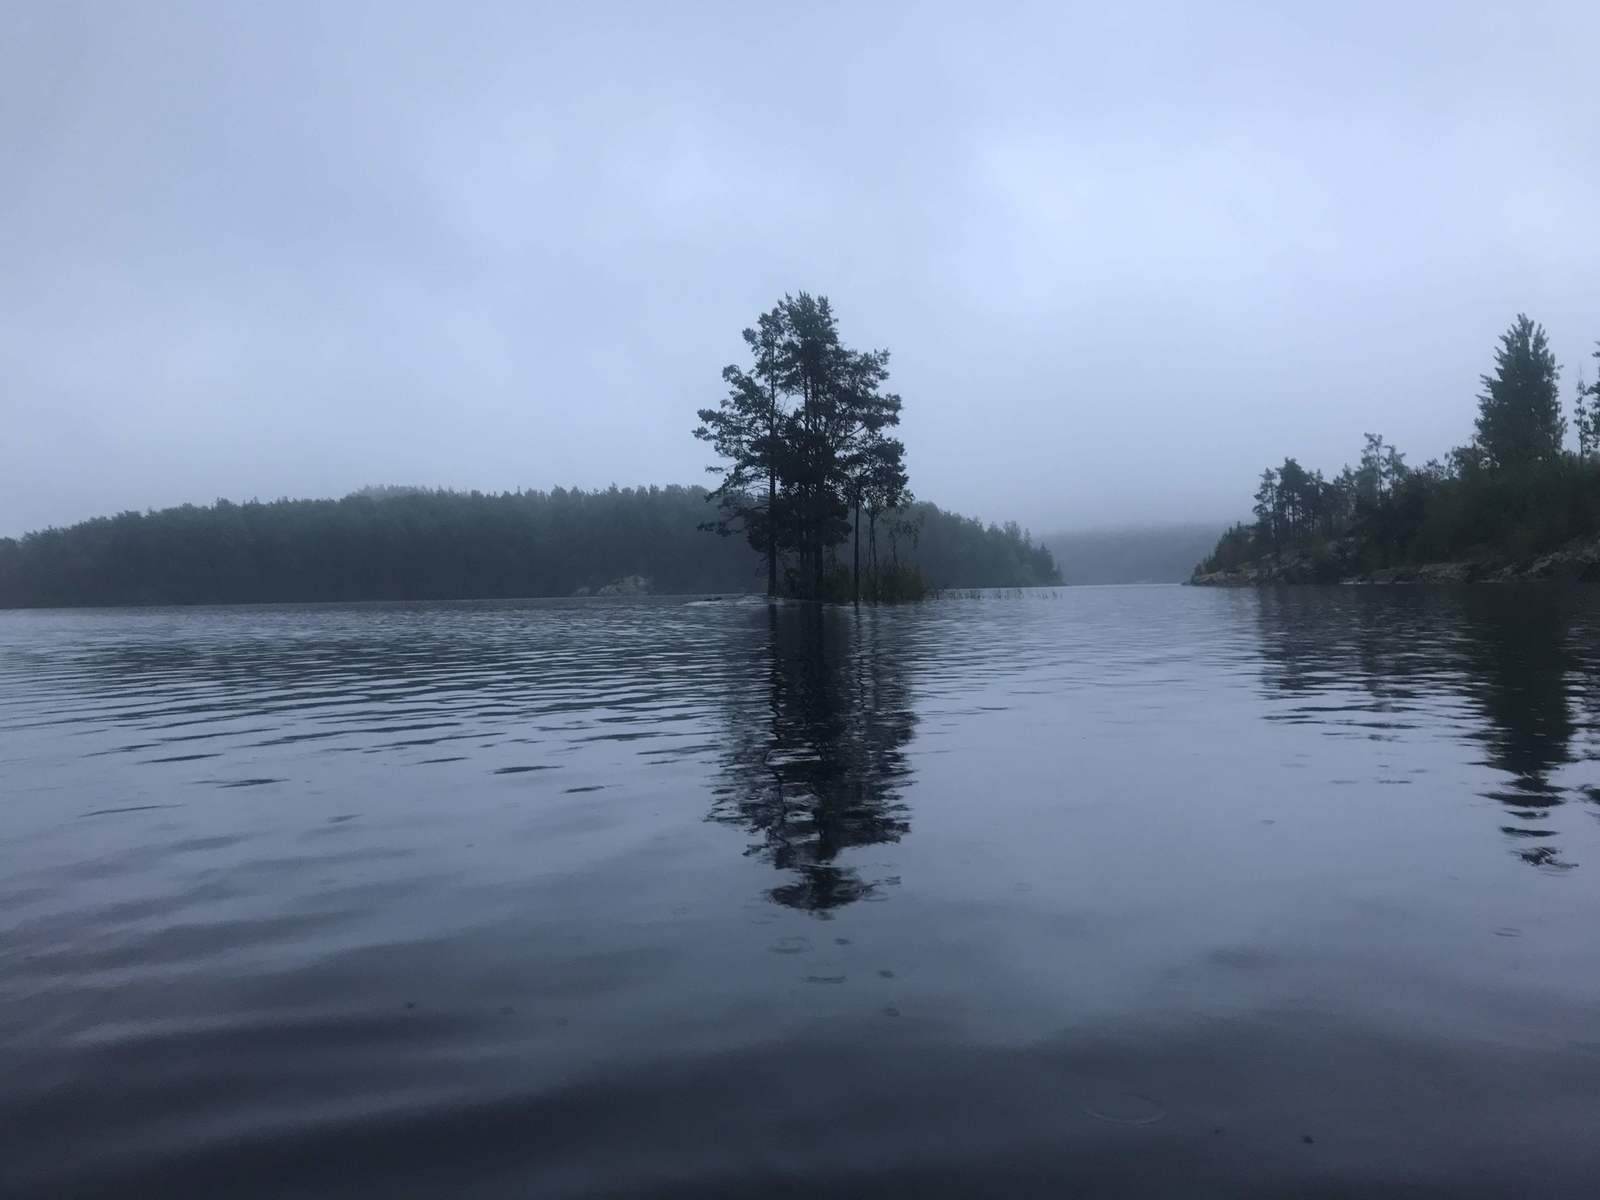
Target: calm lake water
[(1114, 891)]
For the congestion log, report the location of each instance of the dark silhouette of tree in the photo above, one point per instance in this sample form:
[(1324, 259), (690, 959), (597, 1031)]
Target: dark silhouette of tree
[(1383, 468), (748, 430), (806, 424), (1586, 416), (872, 463), (1519, 410), (1369, 475), (1266, 511), (820, 428), (880, 486)]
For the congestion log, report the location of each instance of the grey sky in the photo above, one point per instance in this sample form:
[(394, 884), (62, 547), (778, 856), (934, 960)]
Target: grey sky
[(1125, 255)]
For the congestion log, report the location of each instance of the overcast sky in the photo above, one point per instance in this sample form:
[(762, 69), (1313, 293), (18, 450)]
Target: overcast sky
[(1124, 255)]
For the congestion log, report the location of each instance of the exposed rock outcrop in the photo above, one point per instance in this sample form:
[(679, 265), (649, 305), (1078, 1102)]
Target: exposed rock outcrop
[(1330, 563), (628, 585)]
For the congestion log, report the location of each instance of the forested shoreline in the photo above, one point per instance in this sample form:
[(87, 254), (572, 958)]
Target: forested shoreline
[(1515, 501), (420, 544), (809, 471)]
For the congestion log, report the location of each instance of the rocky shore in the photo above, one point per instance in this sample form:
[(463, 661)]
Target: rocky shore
[(628, 585), (1338, 562)]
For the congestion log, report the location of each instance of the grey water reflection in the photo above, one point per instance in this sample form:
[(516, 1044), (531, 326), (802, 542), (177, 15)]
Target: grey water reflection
[(1520, 665), (1199, 893), (814, 757), (1523, 672)]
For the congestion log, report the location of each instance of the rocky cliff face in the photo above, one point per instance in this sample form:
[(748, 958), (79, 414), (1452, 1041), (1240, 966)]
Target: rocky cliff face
[(1337, 562)]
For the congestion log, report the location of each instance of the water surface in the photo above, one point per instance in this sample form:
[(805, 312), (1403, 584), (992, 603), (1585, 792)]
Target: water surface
[(1111, 891)]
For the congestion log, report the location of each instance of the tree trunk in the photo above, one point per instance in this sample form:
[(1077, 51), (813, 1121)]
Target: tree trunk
[(772, 533), (772, 486), (855, 571), (872, 549), (802, 565)]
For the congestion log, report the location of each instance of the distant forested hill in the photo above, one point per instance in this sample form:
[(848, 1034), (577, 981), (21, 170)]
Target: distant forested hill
[(1154, 554), (415, 544)]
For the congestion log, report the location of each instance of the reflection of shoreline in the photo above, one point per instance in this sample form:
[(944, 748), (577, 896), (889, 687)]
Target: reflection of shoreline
[(1505, 651), (814, 759), (1521, 660)]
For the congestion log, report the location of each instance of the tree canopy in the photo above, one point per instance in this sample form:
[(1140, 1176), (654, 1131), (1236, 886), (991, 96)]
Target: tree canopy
[(802, 433)]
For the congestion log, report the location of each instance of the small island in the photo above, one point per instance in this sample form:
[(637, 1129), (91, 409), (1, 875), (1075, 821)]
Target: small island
[(810, 476), (1513, 503)]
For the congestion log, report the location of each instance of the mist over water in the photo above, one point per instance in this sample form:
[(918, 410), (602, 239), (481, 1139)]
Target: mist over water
[(1263, 892)]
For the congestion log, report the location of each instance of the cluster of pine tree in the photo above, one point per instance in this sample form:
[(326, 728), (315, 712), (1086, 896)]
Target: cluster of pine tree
[(1513, 491), (809, 461)]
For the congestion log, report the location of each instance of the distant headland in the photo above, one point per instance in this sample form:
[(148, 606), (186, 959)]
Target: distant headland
[(1513, 503)]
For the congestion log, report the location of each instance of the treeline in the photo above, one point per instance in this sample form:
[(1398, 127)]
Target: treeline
[(1513, 491), (413, 544), (948, 550)]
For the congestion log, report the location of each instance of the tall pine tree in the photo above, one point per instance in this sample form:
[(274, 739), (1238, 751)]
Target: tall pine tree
[(1519, 410)]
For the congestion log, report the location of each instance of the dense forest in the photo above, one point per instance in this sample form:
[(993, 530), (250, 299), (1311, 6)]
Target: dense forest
[(415, 544), (1512, 493)]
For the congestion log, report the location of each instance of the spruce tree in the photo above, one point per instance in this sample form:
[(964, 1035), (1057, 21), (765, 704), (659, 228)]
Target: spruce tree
[(1519, 410)]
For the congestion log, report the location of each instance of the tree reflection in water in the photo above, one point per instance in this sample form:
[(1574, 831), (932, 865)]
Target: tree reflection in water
[(814, 763), (1517, 656), (1519, 665)]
